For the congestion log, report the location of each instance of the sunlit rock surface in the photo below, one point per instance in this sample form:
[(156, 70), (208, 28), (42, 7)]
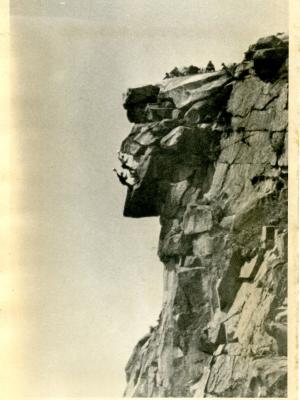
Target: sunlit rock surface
[(208, 154)]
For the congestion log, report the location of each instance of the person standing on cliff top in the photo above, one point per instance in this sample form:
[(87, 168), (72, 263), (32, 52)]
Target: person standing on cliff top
[(210, 67)]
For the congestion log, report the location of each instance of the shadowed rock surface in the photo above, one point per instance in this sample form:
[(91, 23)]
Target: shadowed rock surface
[(208, 154)]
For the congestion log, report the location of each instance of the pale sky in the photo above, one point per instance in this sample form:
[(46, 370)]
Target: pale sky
[(88, 283)]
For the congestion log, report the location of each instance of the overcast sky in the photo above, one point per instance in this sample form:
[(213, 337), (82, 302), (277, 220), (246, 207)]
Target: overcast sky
[(88, 283)]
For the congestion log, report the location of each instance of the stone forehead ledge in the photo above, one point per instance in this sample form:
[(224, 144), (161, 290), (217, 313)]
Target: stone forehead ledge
[(186, 90)]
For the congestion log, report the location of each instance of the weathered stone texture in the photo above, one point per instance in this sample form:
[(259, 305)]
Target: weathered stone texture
[(208, 154)]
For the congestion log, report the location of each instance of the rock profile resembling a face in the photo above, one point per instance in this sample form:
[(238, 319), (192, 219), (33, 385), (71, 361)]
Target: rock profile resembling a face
[(207, 154)]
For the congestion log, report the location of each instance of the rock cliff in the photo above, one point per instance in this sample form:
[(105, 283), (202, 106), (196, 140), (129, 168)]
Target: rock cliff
[(208, 154)]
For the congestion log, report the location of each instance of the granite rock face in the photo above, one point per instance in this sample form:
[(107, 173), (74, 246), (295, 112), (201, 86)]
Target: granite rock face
[(208, 154)]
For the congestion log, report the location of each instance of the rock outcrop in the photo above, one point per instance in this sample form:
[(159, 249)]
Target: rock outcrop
[(208, 154)]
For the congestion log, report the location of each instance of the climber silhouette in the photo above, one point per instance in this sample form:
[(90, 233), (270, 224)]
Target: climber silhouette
[(228, 70), (122, 178)]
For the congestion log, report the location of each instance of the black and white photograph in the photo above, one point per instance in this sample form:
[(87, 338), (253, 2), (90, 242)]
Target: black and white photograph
[(149, 247)]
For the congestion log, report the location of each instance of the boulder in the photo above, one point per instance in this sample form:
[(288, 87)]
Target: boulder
[(143, 94), (201, 111), (187, 90), (197, 219), (267, 42), (173, 139), (203, 245), (268, 61), (135, 101)]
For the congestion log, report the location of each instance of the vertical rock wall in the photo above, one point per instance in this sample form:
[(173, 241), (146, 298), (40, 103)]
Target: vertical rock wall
[(208, 154)]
